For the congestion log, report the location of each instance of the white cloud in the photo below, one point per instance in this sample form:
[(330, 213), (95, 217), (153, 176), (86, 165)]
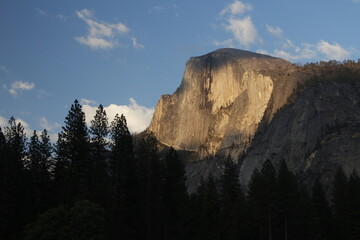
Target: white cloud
[(138, 117), (332, 51), (44, 123), (320, 51), (236, 8), (243, 30), (101, 35), (136, 44), (20, 86), (356, 1), (275, 31), (3, 122), (84, 101)]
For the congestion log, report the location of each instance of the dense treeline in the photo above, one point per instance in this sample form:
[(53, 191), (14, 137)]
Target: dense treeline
[(93, 184)]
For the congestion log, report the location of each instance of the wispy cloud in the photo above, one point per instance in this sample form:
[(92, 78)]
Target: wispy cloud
[(19, 86), (155, 9), (45, 124), (62, 17), (275, 31), (236, 8), (136, 44), (332, 51), (244, 32), (138, 117), (41, 11), (84, 101), (101, 34)]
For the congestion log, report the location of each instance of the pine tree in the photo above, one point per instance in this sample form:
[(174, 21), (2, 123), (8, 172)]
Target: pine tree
[(232, 201), (73, 164), (353, 206), (124, 187), (39, 164), (150, 175), (13, 181), (210, 210), (288, 202), (323, 217), (175, 197), (340, 204), (263, 196), (99, 182)]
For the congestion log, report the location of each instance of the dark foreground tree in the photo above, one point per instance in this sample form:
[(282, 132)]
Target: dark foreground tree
[(174, 197), (123, 211), (99, 180), (232, 201), (73, 164), (39, 164), (14, 211), (323, 216), (85, 220), (150, 175)]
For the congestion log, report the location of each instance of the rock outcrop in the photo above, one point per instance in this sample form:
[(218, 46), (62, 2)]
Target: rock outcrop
[(221, 101), (236, 102)]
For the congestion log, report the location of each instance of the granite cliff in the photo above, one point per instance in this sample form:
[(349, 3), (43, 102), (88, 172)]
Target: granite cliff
[(236, 102), (221, 101)]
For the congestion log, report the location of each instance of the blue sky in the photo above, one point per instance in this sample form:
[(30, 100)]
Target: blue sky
[(124, 54)]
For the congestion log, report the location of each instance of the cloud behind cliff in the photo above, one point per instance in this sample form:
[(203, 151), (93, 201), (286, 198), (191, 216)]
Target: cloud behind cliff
[(138, 117)]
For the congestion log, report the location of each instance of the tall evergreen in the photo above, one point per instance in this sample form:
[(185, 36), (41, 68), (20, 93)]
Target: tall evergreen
[(124, 187), (340, 204), (232, 201), (263, 197), (13, 181), (288, 196), (150, 175), (323, 216), (39, 157), (73, 164), (354, 206), (99, 182), (209, 211), (174, 197)]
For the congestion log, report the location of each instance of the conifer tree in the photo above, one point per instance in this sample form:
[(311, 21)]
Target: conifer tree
[(210, 212), (340, 200), (288, 202), (73, 164), (232, 201), (174, 196), (13, 181), (323, 217), (150, 175), (263, 196), (124, 187), (99, 182), (353, 206)]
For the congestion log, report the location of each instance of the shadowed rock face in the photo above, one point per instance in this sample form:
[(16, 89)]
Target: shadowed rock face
[(315, 135), (222, 99)]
